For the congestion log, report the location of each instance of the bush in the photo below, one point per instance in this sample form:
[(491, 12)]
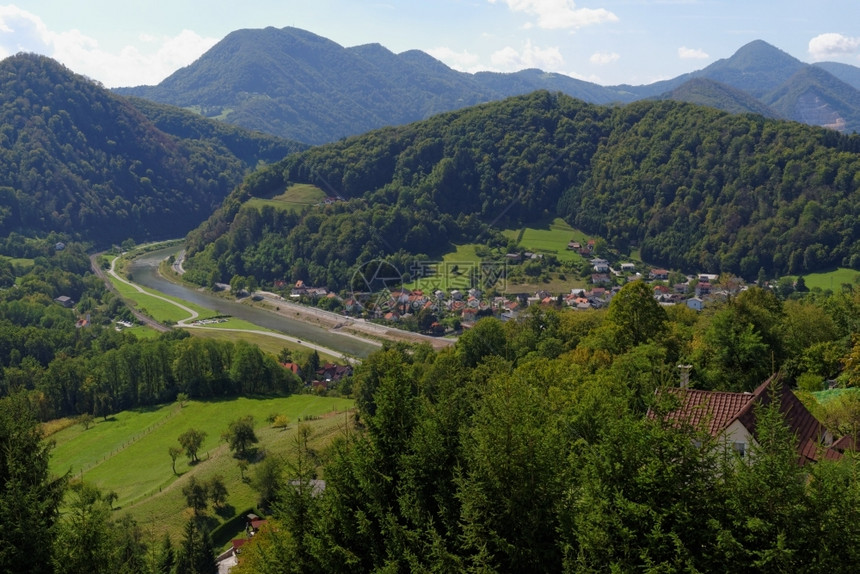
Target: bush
[(810, 382)]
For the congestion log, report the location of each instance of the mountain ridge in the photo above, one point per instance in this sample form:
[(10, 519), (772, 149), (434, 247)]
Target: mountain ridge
[(293, 83), (80, 160), (693, 188)]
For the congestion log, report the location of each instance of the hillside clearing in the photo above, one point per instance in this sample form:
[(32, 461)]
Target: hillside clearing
[(128, 452)]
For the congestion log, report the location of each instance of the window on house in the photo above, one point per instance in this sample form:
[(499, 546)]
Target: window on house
[(740, 448)]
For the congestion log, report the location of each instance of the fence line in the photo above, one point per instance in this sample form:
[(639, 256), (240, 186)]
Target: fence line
[(131, 441)]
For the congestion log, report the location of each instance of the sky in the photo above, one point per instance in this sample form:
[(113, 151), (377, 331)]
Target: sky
[(607, 42)]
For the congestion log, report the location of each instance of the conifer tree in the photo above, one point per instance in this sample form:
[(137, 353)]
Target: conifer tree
[(196, 554), (28, 490)]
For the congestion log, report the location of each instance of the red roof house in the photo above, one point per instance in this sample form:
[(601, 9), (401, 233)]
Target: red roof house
[(732, 418)]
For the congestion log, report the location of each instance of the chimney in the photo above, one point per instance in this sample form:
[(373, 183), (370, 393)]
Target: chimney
[(685, 375)]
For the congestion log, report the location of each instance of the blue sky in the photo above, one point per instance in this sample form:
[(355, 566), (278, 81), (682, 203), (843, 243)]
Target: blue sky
[(607, 42)]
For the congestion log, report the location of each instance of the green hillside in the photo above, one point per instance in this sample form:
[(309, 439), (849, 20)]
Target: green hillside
[(692, 188), (127, 453), (79, 160)]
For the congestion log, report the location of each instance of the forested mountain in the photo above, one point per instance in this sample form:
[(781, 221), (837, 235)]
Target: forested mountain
[(79, 160), (814, 96), (299, 85), (848, 74), (713, 94), (756, 68), (695, 188)]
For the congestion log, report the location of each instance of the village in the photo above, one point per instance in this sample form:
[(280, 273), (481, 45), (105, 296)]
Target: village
[(442, 311)]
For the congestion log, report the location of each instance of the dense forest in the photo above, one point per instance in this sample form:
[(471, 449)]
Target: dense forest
[(511, 453), (694, 188), (525, 447), (73, 361), (79, 160)]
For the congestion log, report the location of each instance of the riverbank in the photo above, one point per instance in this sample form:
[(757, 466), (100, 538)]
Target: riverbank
[(342, 325), (347, 326)]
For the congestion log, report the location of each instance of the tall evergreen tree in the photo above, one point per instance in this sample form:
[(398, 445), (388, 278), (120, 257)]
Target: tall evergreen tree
[(196, 554), (166, 557), (30, 496)]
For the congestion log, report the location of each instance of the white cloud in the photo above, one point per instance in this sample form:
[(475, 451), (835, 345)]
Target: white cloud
[(23, 31), (559, 14), (509, 59), (686, 53), (464, 61), (603, 58), (829, 45)]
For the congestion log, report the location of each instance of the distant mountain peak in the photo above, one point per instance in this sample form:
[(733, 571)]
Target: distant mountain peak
[(296, 84)]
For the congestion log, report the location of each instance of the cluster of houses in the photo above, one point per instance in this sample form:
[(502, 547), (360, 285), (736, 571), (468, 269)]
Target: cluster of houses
[(469, 305), (300, 290), (694, 292), (326, 377)]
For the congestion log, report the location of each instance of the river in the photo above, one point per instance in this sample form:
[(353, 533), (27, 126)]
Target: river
[(144, 269)]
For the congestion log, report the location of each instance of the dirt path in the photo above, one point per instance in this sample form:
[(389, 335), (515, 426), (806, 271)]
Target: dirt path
[(144, 319)]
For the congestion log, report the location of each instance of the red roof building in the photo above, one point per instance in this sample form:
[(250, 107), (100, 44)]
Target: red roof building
[(732, 417)]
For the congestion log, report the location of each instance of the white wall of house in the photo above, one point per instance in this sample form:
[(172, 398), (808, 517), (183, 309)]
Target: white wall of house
[(736, 433)]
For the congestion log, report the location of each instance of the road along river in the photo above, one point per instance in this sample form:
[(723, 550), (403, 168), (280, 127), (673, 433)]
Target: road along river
[(144, 270)]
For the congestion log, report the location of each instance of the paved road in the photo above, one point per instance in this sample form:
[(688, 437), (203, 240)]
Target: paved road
[(145, 319), (192, 314), (189, 322), (357, 324)]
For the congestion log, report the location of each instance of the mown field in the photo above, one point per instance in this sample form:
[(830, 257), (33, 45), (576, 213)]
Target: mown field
[(550, 238), (453, 271), (832, 280), (128, 452), (154, 304), (296, 198)]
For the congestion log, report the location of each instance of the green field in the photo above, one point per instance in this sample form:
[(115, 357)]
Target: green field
[(452, 272), (549, 237), (832, 280), (234, 323), (157, 308), (824, 397), (127, 453), (270, 345), (22, 263), (142, 332), (295, 198)]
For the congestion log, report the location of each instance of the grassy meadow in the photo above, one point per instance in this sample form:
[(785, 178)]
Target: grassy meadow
[(296, 198), (154, 304), (832, 280), (128, 452), (452, 272), (268, 344), (550, 238)]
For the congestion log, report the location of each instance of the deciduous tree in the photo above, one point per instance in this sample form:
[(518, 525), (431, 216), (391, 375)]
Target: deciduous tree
[(196, 495), (174, 452), (240, 435), (191, 441)]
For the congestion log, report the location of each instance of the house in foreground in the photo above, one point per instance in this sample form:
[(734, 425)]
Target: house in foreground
[(731, 417)]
